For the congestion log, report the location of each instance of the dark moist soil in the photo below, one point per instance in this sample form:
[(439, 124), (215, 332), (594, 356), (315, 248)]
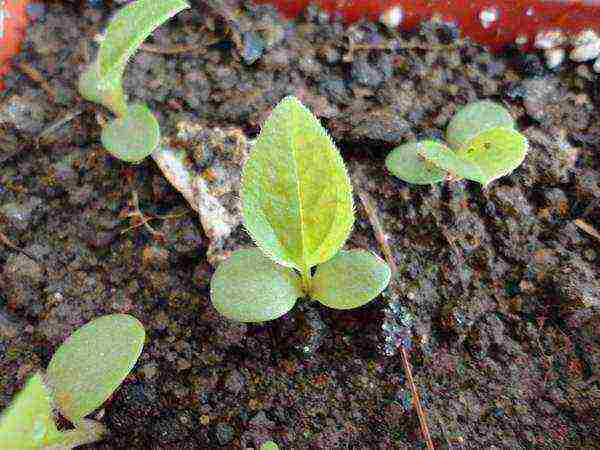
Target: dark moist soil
[(497, 292)]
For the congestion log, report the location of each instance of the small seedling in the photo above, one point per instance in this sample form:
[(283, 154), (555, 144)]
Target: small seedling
[(269, 445), (85, 370), (134, 134), (484, 146), (298, 208)]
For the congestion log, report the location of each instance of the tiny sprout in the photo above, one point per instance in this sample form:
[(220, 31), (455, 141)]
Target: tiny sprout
[(269, 445), (484, 146), (134, 134), (85, 370), (298, 208)]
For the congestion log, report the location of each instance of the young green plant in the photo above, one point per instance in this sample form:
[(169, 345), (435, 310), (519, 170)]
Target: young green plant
[(484, 146), (297, 207), (85, 370), (134, 133)]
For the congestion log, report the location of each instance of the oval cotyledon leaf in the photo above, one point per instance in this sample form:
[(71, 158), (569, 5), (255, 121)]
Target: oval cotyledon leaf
[(249, 287), (350, 279), (88, 367), (296, 194)]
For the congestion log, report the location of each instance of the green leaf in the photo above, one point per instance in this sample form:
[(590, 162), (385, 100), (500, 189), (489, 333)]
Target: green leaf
[(349, 280), (112, 97), (133, 136), (476, 118), (269, 445), (129, 27), (296, 194), (496, 152), (101, 82), (91, 364), (406, 163), (249, 287), (28, 423), (449, 161)]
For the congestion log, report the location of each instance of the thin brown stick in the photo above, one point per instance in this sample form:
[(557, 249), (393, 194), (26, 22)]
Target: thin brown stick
[(416, 399), (587, 228), (381, 238), (37, 76), (6, 241), (174, 49)]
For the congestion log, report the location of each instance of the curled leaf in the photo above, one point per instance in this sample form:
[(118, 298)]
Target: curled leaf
[(409, 165), (475, 118), (350, 279), (249, 287), (296, 194), (88, 367), (28, 423), (447, 160)]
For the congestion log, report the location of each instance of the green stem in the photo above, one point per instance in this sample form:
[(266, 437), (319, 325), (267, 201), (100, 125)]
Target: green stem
[(306, 277)]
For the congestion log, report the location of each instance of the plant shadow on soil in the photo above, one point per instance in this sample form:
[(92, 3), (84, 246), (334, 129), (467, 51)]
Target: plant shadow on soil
[(500, 287)]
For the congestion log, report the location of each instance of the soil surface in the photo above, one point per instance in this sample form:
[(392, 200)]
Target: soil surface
[(497, 293)]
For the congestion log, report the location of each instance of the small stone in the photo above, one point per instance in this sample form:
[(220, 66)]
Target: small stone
[(586, 52), (392, 17), (554, 57), (253, 47), (21, 215), (549, 39), (224, 433)]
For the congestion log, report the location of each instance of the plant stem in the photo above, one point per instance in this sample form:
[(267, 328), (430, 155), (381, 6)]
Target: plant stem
[(306, 277)]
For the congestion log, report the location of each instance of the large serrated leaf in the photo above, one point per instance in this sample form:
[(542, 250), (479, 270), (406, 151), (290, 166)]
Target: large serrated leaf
[(447, 160), (129, 27), (88, 367), (349, 280), (406, 163), (475, 118), (296, 194), (496, 152), (249, 287), (28, 423)]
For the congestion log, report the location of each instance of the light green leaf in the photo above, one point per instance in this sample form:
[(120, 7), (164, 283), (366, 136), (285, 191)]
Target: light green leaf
[(296, 194), (126, 31), (249, 287), (28, 423), (111, 97), (349, 280), (496, 152), (449, 161), (269, 445), (101, 82), (406, 163), (133, 136), (91, 364), (476, 118)]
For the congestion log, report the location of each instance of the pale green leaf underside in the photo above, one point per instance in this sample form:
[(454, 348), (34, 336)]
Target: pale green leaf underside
[(249, 287), (474, 119), (296, 194), (407, 164), (133, 136), (89, 366), (126, 31), (28, 423), (349, 280), (108, 93), (496, 152), (448, 161)]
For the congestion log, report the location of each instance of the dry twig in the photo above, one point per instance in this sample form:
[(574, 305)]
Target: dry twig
[(582, 225), (381, 238)]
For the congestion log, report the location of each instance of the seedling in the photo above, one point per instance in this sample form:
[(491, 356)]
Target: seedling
[(134, 134), (297, 207), (269, 445), (484, 146), (85, 370)]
